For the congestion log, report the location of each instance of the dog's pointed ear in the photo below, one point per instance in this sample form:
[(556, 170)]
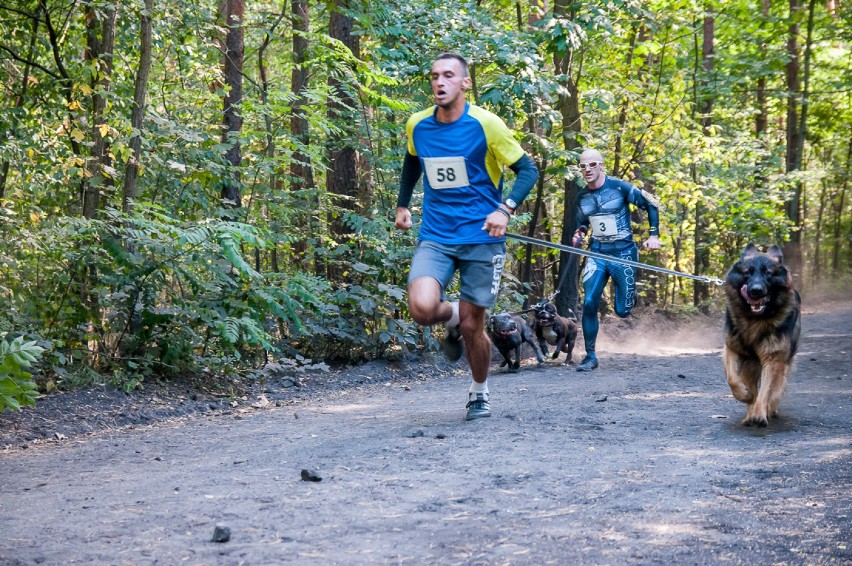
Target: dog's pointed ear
[(774, 253), (750, 251)]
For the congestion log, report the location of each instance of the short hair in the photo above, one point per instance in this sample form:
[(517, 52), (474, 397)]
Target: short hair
[(457, 57)]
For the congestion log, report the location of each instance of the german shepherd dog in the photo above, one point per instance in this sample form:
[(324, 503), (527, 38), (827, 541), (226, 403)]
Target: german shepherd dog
[(551, 328), (762, 327), (508, 333)]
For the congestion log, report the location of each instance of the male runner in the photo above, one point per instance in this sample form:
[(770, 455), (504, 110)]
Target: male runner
[(462, 149), (603, 207)]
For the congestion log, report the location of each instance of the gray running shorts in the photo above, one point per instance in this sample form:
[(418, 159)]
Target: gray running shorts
[(480, 268)]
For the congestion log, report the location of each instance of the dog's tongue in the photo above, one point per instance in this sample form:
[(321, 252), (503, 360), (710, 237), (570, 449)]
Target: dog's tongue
[(757, 305), (744, 293)]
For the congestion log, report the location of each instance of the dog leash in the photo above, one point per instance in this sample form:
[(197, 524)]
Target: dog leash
[(596, 255), (539, 305)]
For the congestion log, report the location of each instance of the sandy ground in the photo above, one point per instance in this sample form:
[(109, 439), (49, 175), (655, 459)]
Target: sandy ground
[(643, 461)]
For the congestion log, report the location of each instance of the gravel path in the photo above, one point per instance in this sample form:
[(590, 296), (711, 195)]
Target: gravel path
[(643, 461)]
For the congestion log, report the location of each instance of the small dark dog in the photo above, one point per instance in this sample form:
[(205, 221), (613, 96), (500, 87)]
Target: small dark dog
[(509, 332), (556, 330), (762, 327)]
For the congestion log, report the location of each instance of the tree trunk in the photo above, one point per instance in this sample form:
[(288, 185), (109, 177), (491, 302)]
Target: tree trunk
[(761, 119), (792, 249), (818, 229), (342, 174), (839, 237), (536, 284), (233, 12), (65, 79), (263, 72), (19, 101), (701, 291), (569, 108), (525, 270), (796, 259), (100, 42), (137, 117), (301, 168)]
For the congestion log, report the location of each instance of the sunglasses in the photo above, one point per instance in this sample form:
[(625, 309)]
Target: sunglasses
[(589, 165)]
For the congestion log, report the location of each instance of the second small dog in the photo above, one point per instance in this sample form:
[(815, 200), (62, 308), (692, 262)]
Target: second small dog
[(508, 333), (556, 330)]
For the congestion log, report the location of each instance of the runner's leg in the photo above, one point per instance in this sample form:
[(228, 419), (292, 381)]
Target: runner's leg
[(424, 302), (432, 268), (480, 271), (477, 343), (595, 277), (624, 281)]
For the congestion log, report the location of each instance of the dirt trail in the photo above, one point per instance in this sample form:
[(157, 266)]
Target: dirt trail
[(641, 462)]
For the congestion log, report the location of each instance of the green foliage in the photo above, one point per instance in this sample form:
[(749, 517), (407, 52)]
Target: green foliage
[(175, 283), (364, 316), (17, 388)]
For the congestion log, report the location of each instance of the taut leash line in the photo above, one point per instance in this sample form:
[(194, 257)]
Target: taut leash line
[(596, 255)]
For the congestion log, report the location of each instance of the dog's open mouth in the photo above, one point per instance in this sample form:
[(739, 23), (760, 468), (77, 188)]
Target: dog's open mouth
[(758, 305)]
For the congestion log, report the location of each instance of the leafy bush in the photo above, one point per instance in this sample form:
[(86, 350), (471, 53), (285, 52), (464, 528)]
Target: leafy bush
[(16, 385), (365, 314), (147, 295)]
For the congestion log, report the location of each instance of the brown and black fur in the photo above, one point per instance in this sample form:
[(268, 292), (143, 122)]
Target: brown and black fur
[(508, 333), (762, 327), (551, 328)]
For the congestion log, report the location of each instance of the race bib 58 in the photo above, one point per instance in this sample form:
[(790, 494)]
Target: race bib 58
[(446, 172)]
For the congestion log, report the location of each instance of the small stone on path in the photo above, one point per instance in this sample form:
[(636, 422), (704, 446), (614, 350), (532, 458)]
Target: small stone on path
[(221, 533), (310, 475)]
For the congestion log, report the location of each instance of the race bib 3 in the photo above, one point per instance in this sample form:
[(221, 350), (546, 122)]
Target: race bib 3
[(603, 226)]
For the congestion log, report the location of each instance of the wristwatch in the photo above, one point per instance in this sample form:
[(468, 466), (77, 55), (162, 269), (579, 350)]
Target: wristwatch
[(511, 204)]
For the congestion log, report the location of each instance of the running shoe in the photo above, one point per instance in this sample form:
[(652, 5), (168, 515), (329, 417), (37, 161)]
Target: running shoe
[(588, 364), (478, 408)]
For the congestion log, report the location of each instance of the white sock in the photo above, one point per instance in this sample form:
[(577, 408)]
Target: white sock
[(454, 320), (478, 388)]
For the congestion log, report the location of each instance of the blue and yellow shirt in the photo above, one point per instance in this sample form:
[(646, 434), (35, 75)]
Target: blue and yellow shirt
[(462, 164)]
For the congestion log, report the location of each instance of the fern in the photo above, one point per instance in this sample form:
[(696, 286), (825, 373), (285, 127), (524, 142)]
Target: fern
[(230, 330), (253, 334), (195, 235), (232, 253)]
